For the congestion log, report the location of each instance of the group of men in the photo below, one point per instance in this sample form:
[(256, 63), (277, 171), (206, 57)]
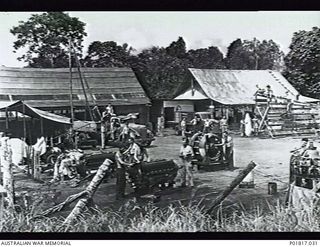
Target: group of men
[(264, 92), (112, 125), (129, 159), (206, 126)]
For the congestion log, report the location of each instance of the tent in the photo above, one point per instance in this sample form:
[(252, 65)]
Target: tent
[(25, 109)]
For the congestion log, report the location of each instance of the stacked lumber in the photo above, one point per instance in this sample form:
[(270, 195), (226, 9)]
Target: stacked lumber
[(299, 121)]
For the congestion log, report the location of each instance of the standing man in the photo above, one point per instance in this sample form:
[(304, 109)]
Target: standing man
[(121, 173), (96, 113), (112, 128), (108, 112), (134, 151), (125, 133), (135, 158), (183, 126), (255, 124), (109, 109), (224, 124), (269, 93), (186, 155), (242, 127), (227, 142)]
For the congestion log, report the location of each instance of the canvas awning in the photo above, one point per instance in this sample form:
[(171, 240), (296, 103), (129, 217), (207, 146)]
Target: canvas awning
[(23, 108)]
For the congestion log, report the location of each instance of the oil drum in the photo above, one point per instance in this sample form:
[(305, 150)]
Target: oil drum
[(272, 188)]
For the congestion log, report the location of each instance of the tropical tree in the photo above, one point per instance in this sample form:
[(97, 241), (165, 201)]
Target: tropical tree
[(108, 54), (254, 55), (303, 62), (177, 48), (46, 39), (206, 58), (163, 73)]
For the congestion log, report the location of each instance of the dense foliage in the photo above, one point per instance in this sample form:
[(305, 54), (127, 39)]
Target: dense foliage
[(254, 55), (163, 70), (303, 62), (108, 54), (46, 38)]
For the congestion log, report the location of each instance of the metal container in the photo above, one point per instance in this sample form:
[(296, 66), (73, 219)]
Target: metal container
[(272, 188)]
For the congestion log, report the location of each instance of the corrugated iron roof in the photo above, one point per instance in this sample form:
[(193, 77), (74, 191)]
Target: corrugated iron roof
[(233, 87), (50, 87)]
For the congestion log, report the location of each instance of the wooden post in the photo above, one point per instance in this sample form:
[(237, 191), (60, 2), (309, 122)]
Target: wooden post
[(41, 126), (29, 156), (70, 88), (24, 122), (32, 161), (36, 166), (103, 135), (242, 174), (91, 189), (6, 162), (160, 125), (51, 141), (62, 205), (7, 119)]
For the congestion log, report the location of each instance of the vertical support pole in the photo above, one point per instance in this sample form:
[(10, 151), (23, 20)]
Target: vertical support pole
[(148, 108), (51, 141), (160, 125), (70, 85), (29, 148), (7, 119), (36, 167), (227, 113), (6, 162), (76, 140), (41, 126), (103, 135), (85, 114), (24, 122), (32, 161)]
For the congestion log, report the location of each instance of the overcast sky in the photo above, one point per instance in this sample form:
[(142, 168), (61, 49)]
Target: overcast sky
[(199, 29)]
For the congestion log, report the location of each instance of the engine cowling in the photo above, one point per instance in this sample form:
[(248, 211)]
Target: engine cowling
[(207, 147)]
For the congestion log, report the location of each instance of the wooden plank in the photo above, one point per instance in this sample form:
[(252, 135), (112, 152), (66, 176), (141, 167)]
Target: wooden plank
[(278, 106), (300, 107), (291, 132), (298, 118), (275, 127), (275, 123), (90, 191), (302, 112), (242, 174)]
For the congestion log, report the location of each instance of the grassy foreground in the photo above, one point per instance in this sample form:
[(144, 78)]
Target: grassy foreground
[(131, 218)]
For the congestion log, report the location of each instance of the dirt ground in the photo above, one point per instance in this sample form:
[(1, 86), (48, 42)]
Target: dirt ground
[(270, 155)]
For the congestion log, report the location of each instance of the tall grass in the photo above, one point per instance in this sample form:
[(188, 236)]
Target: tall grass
[(132, 218)]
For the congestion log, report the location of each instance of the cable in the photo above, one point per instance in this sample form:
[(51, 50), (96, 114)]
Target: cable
[(265, 175)]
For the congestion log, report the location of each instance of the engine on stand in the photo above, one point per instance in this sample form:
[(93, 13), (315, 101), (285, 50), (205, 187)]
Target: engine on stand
[(304, 178), (212, 151)]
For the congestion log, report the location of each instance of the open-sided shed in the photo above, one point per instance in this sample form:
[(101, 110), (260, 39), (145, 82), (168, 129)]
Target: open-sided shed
[(32, 122), (48, 89)]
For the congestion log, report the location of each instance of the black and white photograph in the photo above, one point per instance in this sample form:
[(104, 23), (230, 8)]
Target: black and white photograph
[(159, 121)]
